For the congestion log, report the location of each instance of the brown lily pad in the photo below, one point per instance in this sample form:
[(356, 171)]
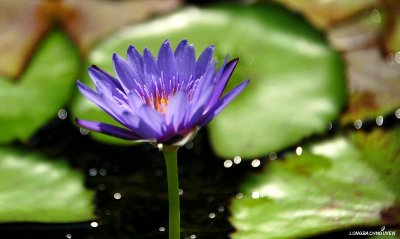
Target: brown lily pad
[(357, 33), (324, 13), (23, 24), (93, 19), (21, 29), (374, 84)]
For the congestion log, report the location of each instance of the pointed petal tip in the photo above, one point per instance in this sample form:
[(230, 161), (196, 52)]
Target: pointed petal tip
[(93, 68), (115, 56), (108, 129), (80, 85), (235, 60), (131, 49), (166, 42), (146, 51)]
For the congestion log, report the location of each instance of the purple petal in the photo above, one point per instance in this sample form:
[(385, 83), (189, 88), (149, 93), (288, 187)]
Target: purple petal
[(108, 129), (177, 110), (204, 85), (220, 105), (152, 119), (226, 74), (126, 74), (119, 96), (103, 102), (200, 102), (179, 49), (204, 61), (139, 126), (186, 63), (134, 101), (98, 75), (135, 60), (93, 96), (151, 71), (167, 65)]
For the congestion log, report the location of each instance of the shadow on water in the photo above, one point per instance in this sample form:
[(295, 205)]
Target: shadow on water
[(131, 189)]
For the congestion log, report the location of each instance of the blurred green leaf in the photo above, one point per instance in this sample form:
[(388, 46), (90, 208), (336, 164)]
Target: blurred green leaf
[(333, 185), (297, 83), (41, 91), (36, 189)]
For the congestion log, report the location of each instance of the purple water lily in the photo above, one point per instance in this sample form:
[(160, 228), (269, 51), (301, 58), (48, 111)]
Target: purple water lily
[(164, 100)]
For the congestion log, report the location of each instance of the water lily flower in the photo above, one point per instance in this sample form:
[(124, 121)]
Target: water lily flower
[(164, 100)]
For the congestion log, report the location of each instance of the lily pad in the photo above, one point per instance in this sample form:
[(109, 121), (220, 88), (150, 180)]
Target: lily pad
[(41, 91), (374, 85), (23, 24), (297, 82), (34, 188), (327, 13), (333, 185)]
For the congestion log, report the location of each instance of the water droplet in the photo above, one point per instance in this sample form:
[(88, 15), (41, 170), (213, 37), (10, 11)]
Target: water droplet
[(62, 114), (94, 224), (117, 196), (69, 236), (255, 195), (161, 229), (189, 145), (211, 215), (83, 131), (299, 150), (273, 156), (397, 113), (180, 192), (221, 209), (358, 124), (376, 16), (379, 120), (397, 57), (92, 172), (237, 159), (330, 126), (390, 59), (239, 195), (228, 163), (103, 172), (193, 236), (255, 163)]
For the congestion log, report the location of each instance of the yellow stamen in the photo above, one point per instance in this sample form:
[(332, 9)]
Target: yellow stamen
[(161, 104)]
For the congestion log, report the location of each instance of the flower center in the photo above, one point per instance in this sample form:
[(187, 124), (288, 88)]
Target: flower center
[(161, 103)]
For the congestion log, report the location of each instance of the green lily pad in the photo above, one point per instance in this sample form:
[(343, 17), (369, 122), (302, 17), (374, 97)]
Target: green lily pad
[(297, 83), (333, 185), (41, 91), (34, 188)]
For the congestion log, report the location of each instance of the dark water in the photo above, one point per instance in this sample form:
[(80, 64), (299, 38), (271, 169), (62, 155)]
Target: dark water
[(131, 188)]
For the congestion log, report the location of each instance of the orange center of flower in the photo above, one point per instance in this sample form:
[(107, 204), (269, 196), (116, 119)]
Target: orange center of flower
[(161, 103)]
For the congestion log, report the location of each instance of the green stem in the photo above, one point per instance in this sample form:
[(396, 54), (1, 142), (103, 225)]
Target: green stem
[(170, 156)]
